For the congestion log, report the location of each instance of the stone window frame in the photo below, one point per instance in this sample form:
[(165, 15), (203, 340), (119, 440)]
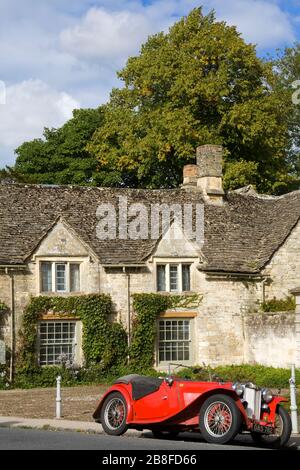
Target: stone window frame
[(59, 260)]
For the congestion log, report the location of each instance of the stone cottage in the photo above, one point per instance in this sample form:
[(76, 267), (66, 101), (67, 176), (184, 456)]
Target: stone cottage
[(245, 249)]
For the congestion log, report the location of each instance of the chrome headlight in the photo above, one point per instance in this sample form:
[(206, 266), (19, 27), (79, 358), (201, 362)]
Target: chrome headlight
[(238, 388), (267, 395)]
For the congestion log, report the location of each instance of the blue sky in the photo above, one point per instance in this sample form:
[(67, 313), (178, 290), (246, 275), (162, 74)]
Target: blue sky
[(57, 55)]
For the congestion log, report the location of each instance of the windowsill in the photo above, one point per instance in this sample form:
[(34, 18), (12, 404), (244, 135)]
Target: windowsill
[(164, 366), (184, 292), (61, 294)]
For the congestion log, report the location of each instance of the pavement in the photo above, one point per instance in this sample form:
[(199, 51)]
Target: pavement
[(84, 427), (57, 424)]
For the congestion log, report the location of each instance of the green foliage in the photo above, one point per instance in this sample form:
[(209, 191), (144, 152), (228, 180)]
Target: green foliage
[(61, 157), (147, 308), (4, 377), (287, 67), (103, 341), (279, 305), (263, 376), (44, 377), (3, 307), (198, 83)]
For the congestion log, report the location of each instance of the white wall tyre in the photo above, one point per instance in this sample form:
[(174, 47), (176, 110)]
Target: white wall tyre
[(219, 419)]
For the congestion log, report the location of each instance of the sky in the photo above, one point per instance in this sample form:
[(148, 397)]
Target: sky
[(57, 55)]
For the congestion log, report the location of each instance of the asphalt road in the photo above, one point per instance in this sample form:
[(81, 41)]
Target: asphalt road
[(32, 439)]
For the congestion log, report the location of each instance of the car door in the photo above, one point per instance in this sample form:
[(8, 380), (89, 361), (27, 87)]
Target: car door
[(159, 404)]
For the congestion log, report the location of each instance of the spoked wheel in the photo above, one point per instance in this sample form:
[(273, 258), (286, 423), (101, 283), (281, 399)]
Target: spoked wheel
[(165, 434), (113, 414), (220, 419), (282, 432)]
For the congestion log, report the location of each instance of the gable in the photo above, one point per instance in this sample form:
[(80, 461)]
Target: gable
[(61, 241), (287, 256), (175, 244)]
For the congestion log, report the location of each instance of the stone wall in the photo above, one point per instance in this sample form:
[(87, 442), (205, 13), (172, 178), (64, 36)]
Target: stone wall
[(284, 268), (223, 331), (270, 338)]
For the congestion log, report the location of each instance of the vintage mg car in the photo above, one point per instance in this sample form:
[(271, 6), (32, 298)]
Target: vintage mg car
[(170, 405)]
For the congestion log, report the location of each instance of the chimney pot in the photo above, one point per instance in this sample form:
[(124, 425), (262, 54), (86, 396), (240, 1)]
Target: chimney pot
[(206, 176)]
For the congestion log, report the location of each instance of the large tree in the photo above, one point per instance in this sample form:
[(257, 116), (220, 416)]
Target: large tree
[(198, 83), (287, 68), (61, 156)]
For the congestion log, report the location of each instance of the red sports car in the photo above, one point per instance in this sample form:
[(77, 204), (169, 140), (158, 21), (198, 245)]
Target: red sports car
[(219, 410)]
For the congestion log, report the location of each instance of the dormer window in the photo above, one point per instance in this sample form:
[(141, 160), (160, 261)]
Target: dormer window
[(60, 277), (171, 277)]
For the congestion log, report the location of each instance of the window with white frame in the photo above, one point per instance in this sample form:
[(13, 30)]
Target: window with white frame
[(174, 343), (171, 277), (59, 276), (57, 340)]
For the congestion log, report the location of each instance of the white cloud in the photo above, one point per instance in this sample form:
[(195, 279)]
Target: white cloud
[(31, 106), (108, 35), (260, 21)]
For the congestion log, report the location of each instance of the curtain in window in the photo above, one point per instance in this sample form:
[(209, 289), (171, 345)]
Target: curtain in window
[(161, 277), (186, 284), (74, 278), (46, 277)]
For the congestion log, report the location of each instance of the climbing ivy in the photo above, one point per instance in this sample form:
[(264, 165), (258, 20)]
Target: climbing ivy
[(279, 305), (3, 307), (147, 308), (103, 341)]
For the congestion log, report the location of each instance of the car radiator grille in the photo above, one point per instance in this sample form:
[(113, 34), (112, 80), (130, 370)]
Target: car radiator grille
[(253, 399)]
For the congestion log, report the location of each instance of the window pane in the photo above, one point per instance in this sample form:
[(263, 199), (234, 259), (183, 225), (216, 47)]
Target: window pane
[(173, 277), (161, 277), (56, 338), (174, 340), (186, 277), (60, 277), (46, 269), (74, 277)]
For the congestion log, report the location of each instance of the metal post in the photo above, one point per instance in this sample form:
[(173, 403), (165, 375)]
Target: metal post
[(293, 407), (58, 397)]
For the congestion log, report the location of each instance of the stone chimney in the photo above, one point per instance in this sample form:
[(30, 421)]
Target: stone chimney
[(206, 176)]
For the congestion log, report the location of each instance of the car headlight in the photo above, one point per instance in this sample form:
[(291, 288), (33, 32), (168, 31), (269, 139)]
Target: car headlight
[(238, 388), (267, 395)]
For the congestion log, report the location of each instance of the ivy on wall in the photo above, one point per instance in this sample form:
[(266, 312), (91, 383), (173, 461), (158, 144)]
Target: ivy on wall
[(147, 308), (279, 305), (3, 307), (103, 341)]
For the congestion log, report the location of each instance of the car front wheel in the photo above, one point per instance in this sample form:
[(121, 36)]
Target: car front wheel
[(114, 414), (282, 431), (219, 419)]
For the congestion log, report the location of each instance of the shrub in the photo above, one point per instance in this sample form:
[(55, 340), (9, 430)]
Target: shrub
[(262, 376), (279, 305), (4, 377)]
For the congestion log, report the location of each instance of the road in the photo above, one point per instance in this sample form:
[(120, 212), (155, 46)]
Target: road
[(32, 439)]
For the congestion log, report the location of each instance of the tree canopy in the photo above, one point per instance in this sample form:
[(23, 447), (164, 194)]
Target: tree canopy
[(61, 157), (198, 83), (287, 68)]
